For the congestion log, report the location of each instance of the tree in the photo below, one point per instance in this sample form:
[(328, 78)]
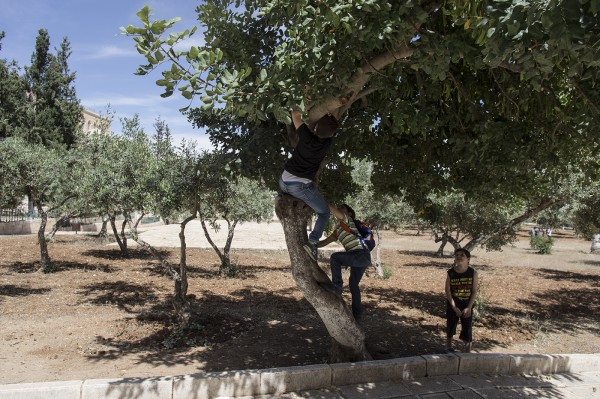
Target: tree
[(54, 114), (41, 173), (587, 217), (13, 98), (116, 176), (490, 99), (232, 200)]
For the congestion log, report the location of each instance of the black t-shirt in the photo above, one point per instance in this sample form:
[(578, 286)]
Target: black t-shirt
[(308, 154), (461, 284)]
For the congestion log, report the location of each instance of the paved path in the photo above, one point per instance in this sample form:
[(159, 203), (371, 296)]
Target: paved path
[(571, 386), (460, 376)]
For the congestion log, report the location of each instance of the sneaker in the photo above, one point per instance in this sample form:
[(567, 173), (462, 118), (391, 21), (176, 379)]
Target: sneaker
[(331, 288), (450, 350), (312, 250)]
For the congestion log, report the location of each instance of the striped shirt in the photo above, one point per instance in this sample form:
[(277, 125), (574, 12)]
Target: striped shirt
[(348, 240)]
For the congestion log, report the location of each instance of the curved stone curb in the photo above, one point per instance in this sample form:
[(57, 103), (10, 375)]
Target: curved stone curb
[(250, 383)]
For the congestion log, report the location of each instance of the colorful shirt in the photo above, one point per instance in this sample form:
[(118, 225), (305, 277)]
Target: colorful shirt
[(347, 239), (461, 284)]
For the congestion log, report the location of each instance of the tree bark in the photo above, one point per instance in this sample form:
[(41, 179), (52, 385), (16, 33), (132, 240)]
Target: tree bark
[(378, 266), (348, 342), (46, 262), (209, 239), (55, 227), (180, 304), (103, 233), (113, 225), (226, 260)]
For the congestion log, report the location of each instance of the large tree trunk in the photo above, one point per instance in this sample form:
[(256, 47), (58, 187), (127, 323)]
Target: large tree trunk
[(348, 342), (46, 263)]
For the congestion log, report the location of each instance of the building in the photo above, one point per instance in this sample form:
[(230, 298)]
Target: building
[(94, 123)]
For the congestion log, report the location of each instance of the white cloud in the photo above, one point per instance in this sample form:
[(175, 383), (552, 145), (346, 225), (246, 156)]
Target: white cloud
[(196, 40), (119, 100), (110, 52)]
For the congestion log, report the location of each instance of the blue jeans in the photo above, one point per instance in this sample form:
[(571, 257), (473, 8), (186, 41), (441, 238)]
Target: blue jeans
[(311, 196), (358, 261)]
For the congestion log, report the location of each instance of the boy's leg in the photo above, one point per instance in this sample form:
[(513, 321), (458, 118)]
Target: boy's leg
[(337, 260), (313, 198), (356, 274), (466, 330), (451, 323)]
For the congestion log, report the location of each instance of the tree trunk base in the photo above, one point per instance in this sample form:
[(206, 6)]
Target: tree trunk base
[(344, 354)]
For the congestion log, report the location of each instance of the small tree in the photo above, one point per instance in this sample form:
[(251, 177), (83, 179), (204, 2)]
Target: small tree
[(232, 200), (41, 173)]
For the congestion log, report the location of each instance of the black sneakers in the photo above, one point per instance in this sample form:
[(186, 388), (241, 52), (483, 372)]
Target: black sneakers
[(311, 249), (331, 288)]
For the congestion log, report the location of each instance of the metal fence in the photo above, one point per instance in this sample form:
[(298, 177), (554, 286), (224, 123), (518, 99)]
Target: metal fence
[(12, 215)]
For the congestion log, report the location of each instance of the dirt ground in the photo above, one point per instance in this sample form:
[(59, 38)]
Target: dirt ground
[(103, 316)]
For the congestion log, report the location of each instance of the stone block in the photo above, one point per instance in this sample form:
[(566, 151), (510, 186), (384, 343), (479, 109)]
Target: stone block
[(580, 363), (429, 385), (441, 364), (362, 372), (375, 390), (475, 363), (537, 364), (217, 384), (409, 368), (147, 388), (289, 379), (42, 390)]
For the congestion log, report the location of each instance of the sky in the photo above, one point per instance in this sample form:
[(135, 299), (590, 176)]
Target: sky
[(103, 59)]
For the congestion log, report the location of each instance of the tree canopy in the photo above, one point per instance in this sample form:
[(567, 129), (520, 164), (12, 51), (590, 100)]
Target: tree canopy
[(474, 95)]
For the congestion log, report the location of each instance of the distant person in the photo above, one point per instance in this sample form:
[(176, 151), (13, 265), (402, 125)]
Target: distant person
[(549, 232), (356, 256), (461, 290), (537, 231), (300, 170)]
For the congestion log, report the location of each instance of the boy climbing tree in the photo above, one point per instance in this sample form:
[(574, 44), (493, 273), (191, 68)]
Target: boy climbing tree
[(301, 169)]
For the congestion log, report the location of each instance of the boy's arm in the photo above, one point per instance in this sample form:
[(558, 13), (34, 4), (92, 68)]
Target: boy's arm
[(337, 213), (332, 237), (474, 290), (296, 118), (449, 297)]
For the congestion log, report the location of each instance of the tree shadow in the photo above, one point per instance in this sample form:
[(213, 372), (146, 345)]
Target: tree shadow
[(124, 295), (560, 275), (220, 326), (588, 262), (428, 254), (132, 253), (572, 310), (10, 290), (59, 266), (243, 272)]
